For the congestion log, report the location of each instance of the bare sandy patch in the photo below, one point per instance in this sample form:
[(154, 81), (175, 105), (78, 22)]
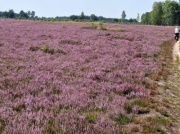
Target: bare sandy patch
[(176, 53)]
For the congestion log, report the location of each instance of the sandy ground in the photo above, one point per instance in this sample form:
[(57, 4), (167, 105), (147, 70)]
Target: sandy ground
[(176, 52), (176, 99)]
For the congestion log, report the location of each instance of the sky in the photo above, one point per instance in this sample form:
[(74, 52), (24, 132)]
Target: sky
[(105, 8)]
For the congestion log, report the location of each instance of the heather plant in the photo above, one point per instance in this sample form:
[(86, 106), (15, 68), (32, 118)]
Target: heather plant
[(89, 76)]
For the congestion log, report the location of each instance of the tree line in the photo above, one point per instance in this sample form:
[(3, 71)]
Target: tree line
[(20, 15), (82, 17), (163, 13)]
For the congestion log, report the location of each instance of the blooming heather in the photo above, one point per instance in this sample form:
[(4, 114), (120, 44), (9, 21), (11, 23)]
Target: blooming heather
[(90, 72)]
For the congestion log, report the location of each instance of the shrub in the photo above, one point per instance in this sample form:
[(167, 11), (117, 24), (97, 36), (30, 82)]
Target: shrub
[(45, 48)]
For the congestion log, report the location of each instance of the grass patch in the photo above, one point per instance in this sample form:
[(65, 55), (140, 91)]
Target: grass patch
[(140, 102), (91, 118), (121, 119), (158, 120)]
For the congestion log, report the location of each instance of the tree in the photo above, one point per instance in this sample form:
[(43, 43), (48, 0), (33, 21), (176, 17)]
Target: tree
[(115, 20), (11, 13), (6, 14), (22, 14), (93, 17), (157, 13), (81, 16), (171, 12), (29, 14), (32, 14), (123, 16), (146, 18), (138, 17), (73, 17)]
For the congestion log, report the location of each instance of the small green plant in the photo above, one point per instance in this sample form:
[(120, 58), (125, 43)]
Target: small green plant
[(91, 118), (140, 102), (45, 48), (122, 119), (158, 120), (119, 30)]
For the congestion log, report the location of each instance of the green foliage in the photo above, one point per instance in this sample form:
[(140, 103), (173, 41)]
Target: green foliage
[(123, 16), (91, 118), (163, 13), (158, 120), (121, 119), (45, 48), (82, 16), (93, 17), (146, 18), (156, 15), (140, 102)]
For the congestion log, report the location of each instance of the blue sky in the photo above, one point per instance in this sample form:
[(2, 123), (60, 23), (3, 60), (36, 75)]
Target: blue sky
[(106, 8)]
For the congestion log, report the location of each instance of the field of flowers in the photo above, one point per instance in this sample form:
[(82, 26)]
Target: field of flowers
[(74, 78)]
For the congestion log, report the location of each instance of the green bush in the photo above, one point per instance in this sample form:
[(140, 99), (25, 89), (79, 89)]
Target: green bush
[(45, 48)]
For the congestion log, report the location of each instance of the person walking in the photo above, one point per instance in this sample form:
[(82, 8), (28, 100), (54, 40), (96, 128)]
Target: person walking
[(176, 33)]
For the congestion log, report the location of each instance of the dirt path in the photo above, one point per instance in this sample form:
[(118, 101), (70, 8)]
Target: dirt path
[(176, 53), (174, 83)]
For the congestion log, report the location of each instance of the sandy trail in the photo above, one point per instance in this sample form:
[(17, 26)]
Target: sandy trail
[(176, 52), (176, 82)]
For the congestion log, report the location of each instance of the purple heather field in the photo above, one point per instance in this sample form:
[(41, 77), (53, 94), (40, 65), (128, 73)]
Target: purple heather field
[(84, 84)]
